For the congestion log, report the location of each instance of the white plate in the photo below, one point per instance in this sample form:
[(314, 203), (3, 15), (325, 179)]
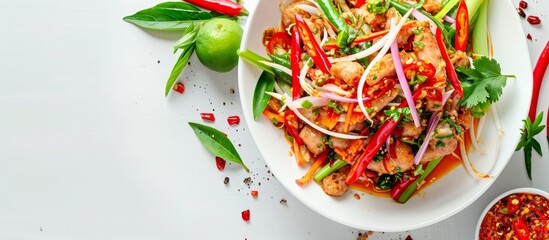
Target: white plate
[(517, 190), (441, 200)]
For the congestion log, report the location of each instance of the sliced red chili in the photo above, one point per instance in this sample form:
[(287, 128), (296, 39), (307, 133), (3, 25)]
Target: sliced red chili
[(521, 12), (380, 88), (220, 163), (246, 215), (419, 68), (311, 46), (399, 188), (233, 120), (521, 229), (295, 59), (513, 204), (291, 123), (179, 87), (523, 4), (450, 71), (359, 3), (207, 116), (528, 36), (462, 27), (279, 40), (534, 20), (221, 6)]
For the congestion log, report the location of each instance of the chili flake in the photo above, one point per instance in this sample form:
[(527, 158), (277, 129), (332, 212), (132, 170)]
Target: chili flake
[(207, 116), (246, 215), (523, 4), (220, 163), (179, 87), (233, 120), (534, 20), (254, 193), (529, 36), (521, 12)]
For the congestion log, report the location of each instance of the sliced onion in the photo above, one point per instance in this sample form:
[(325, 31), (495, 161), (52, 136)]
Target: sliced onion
[(308, 8), (467, 163), (433, 122), (335, 97), (449, 19), (306, 84), (359, 55), (323, 130), (334, 88), (481, 122), (473, 137), (390, 38), (316, 101), (278, 67), (404, 83), (422, 18)]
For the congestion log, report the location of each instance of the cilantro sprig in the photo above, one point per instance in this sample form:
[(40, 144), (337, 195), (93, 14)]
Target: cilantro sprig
[(395, 113), (528, 142), (483, 83)]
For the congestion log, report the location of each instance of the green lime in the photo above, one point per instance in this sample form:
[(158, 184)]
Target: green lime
[(217, 42)]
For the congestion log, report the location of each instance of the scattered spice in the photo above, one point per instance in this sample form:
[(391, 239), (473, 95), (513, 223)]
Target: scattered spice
[(220, 163), (247, 180), (233, 120), (534, 20), (523, 4), (226, 180), (254, 193), (246, 215), (529, 37), (521, 12), (207, 117), (283, 201), (409, 237), (357, 197), (179, 87)]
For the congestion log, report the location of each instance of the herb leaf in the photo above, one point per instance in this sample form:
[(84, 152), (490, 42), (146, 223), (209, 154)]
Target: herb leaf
[(178, 68), (170, 16), (482, 84), (265, 83), (217, 143), (528, 142), (395, 113)]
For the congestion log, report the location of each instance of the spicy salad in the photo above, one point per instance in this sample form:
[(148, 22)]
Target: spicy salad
[(377, 92)]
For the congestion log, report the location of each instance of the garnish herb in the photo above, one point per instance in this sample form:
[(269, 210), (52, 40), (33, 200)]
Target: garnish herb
[(170, 16), (528, 142), (336, 106), (482, 84), (261, 99), (217, 143), (186, 44), (395, 113)]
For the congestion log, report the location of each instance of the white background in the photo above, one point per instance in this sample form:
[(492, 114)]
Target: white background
[(91, 149)]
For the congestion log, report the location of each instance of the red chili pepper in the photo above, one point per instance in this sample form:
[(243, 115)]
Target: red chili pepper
[(221, 6), (419, 67), (233, 120), (291, 124), (295, 58), (220, 163), (359, 3), (521, 229), (254, 193), (513, 204), (462, 27), (450, 71), (534, 20), (279, 40), (380, 88), (539, 73), (398, 189), (246, 215), (547, 126), (179, 87), (523, 4), (207, 116), (311, 46)]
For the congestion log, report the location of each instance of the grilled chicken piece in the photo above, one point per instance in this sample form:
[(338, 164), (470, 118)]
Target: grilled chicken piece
[(404, 160), (334, 184), (349, 72), (385, 68), (379, 103), (313, 139), (426, 49), (443, 143), (432, 6)]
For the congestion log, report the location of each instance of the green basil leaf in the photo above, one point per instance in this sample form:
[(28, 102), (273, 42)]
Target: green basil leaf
[(170, 16), (217, 143), (261, 99), (178, 68), (188, 39)]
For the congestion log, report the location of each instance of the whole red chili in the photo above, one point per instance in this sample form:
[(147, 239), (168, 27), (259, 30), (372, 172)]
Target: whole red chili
[(246, 215), (521, 12), (207, 116), (220, 163), (221, 6), (233, 120), (534, 20), (539, 73), (523, 4), (254, 193), (179, 87)]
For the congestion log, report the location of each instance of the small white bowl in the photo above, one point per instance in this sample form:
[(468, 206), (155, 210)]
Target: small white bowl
[(513, 191)]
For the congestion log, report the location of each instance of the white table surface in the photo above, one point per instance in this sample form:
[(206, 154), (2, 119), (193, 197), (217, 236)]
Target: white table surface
[(91, 149)]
